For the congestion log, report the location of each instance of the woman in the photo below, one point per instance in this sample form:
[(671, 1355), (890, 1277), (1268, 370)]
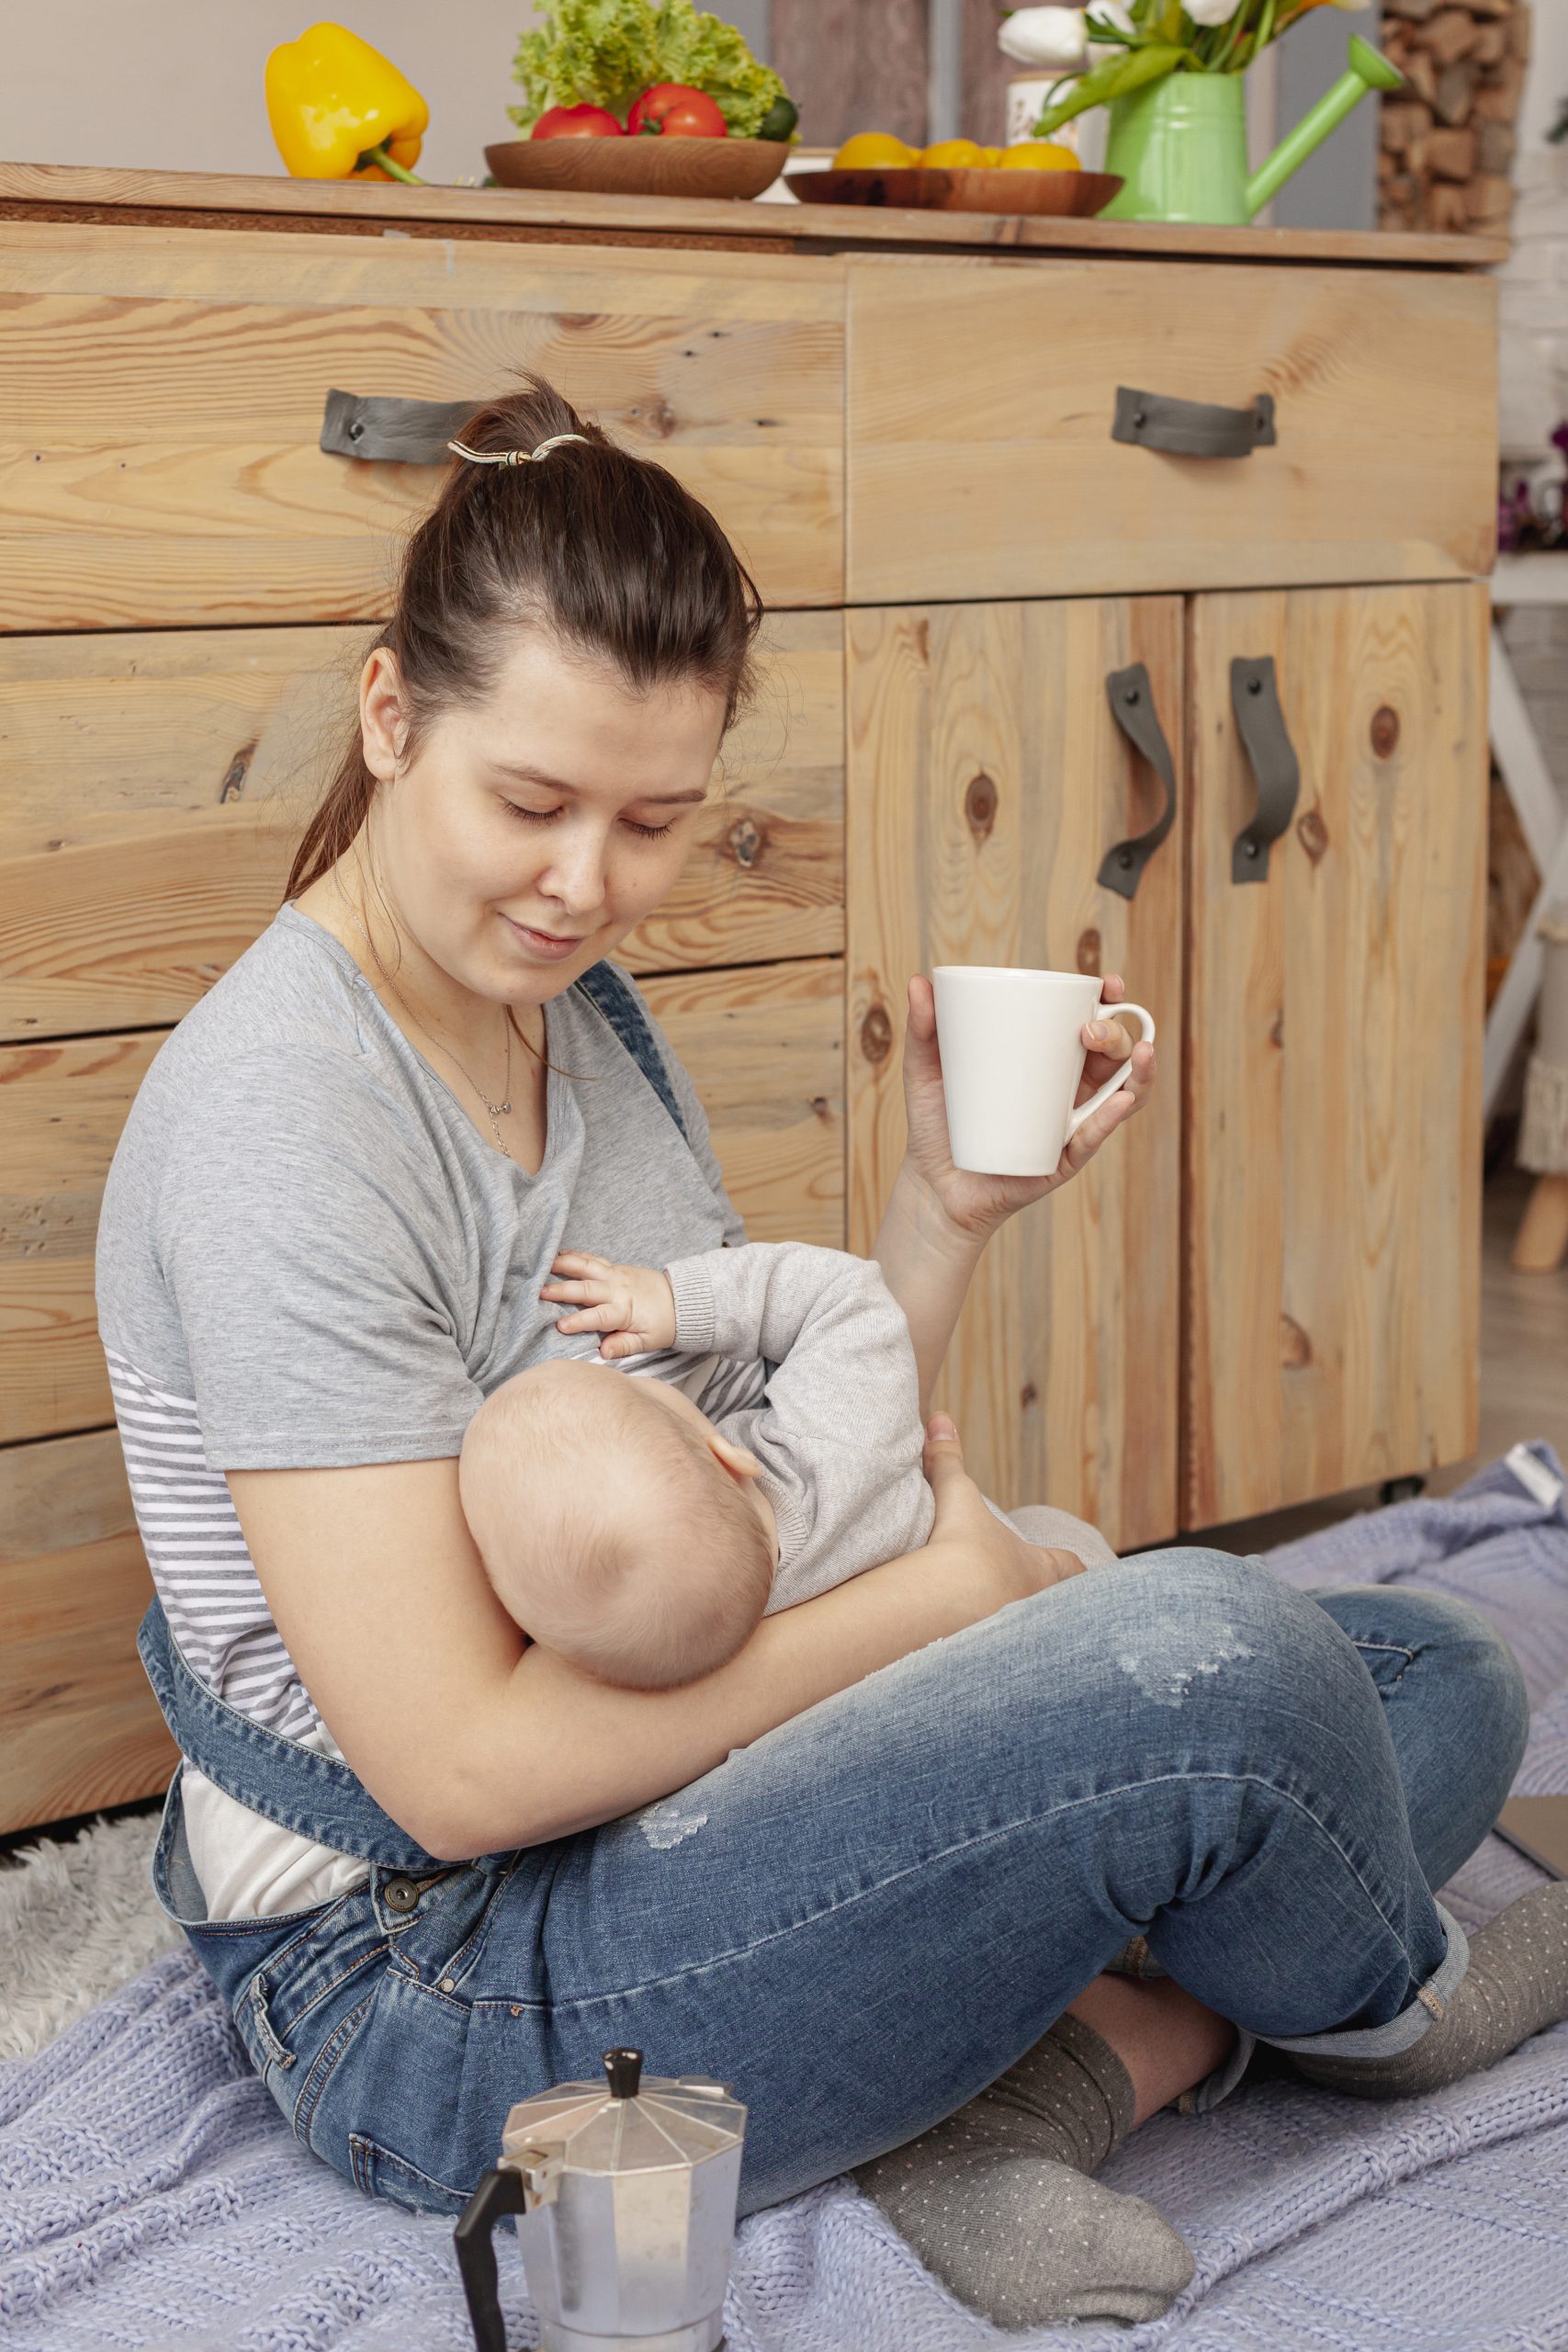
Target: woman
[(884, 1857)]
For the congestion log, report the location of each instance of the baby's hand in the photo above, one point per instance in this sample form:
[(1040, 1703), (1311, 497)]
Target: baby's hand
[(633, 1305)]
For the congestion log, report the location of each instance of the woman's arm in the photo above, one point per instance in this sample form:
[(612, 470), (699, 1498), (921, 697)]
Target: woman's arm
[(475, 1744), (939, 1217)]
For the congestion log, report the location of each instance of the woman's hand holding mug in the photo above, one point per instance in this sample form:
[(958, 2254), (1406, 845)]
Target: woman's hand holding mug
[(976, 1204)]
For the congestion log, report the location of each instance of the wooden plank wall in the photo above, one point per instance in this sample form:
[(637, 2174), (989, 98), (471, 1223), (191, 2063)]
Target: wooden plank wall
[(865, 65), (854, 65)]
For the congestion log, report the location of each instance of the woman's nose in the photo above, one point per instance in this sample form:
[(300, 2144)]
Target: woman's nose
[(575, 875)]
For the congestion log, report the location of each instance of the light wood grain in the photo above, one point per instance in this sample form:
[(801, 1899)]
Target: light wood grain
[(1334, 1091), (93, 192), (61, 1108), (764, 1045), (1064, 1376), (79, 1726), (766, 1050), (159, 462), (157, 784), (853, 65), (980, 461)]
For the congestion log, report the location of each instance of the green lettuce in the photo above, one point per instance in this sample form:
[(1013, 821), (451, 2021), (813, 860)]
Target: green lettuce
[(606, 52)]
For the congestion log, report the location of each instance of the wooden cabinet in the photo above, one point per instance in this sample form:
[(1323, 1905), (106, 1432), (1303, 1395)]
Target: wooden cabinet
[(1267, 1288), (1281, 1259), (1333, 1095), (986, 781)]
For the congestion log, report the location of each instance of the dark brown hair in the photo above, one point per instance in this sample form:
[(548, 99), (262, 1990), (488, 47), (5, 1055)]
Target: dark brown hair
[(605, 550)]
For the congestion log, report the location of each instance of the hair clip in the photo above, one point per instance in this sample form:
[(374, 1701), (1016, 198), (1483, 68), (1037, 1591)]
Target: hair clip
[(514, 456)]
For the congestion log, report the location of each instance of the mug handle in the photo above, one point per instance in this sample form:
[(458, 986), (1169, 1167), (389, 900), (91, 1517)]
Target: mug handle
[(1103, 1094)]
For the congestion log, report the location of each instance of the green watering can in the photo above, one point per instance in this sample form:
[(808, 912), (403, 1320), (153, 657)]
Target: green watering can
[(1181, 144)]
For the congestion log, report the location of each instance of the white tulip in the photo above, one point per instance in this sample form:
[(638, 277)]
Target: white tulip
[(1048, 36), (1210, 12), (1111, 12)]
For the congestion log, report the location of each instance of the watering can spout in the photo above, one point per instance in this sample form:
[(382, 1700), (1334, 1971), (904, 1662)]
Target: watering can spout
[(1367, 71)]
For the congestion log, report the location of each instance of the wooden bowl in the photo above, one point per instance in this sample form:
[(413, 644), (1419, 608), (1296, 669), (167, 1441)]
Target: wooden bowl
[(663, 166), (933, 190)]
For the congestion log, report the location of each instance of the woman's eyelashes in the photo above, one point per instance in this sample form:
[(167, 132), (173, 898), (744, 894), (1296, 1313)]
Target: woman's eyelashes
[(545, 816)]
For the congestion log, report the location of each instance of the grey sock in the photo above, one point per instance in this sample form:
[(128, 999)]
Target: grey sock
[(996, 2201), (1516, 1983)]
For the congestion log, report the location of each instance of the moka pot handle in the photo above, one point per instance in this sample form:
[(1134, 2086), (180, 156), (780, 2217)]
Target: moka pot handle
[(498, 2194)]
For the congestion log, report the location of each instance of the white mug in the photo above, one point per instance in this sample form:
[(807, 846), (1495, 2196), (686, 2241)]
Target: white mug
[(1012, 1060)]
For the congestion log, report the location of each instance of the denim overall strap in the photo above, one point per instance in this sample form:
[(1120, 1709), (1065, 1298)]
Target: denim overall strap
[(313, 1795), (610, 994)]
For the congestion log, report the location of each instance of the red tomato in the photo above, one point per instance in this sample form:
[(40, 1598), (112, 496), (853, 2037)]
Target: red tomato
[(678, 111), (577, 123)]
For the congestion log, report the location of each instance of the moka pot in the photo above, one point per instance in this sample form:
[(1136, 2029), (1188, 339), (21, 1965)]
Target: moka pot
[(626, 2205)]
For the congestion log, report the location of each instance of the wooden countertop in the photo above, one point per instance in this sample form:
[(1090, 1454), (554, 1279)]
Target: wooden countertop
[(198, 199)]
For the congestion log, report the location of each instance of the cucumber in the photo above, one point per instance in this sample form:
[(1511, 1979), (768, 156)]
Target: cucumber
[(780, 120)]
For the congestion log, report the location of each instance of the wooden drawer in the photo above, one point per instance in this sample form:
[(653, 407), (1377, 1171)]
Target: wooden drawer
[(157, 785), (981, 396), (765, 1047), (79, 1726), (164, 389)]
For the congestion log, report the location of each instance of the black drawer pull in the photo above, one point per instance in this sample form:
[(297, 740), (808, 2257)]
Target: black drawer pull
[(379, 426), (1192, 428), (1260, 723), (1131, 700)]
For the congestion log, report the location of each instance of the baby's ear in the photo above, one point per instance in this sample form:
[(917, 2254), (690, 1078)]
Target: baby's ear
[(738, 1460)]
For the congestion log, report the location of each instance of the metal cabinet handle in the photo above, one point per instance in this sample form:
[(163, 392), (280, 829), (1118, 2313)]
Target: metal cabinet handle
[(377, 424), (1131, 700), (1192, 428), (1260, 723)]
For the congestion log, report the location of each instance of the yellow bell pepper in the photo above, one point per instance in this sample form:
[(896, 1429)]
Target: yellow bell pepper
[(340, 110)]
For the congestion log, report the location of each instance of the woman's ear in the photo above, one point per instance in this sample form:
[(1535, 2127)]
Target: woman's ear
[(383, 723)]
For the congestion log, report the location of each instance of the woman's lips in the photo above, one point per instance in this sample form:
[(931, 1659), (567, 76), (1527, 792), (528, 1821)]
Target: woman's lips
[(542, 942)]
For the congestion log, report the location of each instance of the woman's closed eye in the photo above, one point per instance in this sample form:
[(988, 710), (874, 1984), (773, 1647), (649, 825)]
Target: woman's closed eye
[(546, 816)]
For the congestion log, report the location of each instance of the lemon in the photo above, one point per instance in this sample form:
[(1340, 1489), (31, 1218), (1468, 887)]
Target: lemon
[(1037, 156), (955, 155), (875, 151)]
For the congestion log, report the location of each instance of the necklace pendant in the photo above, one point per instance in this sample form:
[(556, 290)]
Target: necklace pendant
[(499, 1110)]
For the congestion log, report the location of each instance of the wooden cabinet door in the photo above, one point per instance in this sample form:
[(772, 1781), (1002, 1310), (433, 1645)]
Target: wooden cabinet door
[(1332, 1116), (986, 780)]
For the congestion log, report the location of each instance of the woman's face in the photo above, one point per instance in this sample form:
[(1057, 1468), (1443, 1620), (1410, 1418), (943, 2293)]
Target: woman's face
[(529, 832)]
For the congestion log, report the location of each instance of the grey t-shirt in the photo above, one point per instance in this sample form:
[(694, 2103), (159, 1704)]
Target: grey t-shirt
[(309, 1257)]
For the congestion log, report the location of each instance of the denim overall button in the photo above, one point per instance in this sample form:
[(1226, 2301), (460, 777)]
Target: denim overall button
[(402, 1893)]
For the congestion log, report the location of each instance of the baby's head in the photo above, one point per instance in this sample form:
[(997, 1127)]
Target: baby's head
[(617, 1524)]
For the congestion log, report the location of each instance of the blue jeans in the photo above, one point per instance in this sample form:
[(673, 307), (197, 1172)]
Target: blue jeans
[(866, 1916)]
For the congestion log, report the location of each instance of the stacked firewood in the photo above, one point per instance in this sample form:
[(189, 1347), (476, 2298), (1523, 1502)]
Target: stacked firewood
[(1447, 140)]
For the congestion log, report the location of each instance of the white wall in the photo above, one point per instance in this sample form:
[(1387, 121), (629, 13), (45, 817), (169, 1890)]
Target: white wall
[(1534, 360), (1535, 279), (177, 85)]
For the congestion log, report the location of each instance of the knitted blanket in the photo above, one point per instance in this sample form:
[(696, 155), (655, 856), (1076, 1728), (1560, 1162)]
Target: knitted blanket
[(150, 2194)]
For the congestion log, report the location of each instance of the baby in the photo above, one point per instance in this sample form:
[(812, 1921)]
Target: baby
[(624, 1528)]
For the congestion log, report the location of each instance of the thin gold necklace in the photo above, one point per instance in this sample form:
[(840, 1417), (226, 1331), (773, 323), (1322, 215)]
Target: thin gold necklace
[(493, 1111)]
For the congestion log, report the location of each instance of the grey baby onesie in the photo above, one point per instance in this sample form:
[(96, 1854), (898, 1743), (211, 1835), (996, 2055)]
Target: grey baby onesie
[(834, 1412)]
